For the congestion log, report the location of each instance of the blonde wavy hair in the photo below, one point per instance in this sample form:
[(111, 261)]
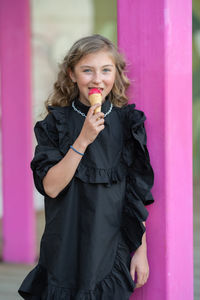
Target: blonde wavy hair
[(65, 90)]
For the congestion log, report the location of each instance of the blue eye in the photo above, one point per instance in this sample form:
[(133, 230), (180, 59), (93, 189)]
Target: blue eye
[(87, 70), (106, 70)]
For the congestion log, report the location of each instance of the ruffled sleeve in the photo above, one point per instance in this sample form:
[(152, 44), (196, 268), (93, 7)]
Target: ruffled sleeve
[(140, 177), (47, 152)]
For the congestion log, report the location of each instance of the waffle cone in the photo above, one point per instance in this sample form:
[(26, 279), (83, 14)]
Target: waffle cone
[(94, 99)]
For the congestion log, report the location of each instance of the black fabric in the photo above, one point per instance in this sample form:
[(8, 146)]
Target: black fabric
[(95, 223)]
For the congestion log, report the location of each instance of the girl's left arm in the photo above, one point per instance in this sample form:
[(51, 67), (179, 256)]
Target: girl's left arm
[(139, 263)]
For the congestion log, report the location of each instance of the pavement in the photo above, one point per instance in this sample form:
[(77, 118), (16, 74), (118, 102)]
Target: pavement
[(11, 276)]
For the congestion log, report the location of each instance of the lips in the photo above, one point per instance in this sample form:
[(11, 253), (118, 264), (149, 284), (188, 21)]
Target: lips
[(96, 87)]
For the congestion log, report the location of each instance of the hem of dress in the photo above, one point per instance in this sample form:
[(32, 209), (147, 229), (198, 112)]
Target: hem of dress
[(118, 283)]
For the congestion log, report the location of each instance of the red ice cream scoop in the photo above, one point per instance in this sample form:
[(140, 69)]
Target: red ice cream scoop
[(94, 91)]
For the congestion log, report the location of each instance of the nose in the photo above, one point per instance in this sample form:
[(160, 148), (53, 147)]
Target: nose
[(96, 78)]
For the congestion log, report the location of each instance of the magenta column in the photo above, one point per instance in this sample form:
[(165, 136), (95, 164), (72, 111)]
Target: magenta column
[(15, 55), (156, 38)]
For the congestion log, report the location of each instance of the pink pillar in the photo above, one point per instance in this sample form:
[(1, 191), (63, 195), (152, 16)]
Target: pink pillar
[(18, 211), (156, 39)]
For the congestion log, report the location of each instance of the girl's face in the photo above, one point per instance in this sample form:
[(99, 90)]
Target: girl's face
[(95, 70)]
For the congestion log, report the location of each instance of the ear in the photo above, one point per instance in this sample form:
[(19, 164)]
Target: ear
[(71, 75)]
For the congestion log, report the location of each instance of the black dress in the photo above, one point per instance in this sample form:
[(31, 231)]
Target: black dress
[(95, 222)]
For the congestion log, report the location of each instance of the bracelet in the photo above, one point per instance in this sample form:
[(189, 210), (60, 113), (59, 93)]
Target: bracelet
[(76, 150)]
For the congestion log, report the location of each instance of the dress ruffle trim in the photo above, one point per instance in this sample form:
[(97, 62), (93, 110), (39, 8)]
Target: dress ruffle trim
[(140, 176), (96, 175), (118, 284), (84, 172)]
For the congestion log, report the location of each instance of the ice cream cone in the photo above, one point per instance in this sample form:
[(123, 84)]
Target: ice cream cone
[(94, 98)]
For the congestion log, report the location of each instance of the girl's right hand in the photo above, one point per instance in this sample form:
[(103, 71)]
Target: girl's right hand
[(94, 123)]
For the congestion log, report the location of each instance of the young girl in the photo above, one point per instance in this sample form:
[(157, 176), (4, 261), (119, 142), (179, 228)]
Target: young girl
[(95, 174)]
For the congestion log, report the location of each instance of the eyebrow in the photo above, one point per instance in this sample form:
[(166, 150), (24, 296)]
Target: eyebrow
[(92, 67)]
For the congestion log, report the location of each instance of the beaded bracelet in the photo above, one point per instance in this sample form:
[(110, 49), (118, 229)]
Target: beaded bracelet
[(76, 150)]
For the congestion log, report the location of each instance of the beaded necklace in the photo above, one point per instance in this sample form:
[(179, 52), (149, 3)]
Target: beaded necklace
[(82, 114)]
